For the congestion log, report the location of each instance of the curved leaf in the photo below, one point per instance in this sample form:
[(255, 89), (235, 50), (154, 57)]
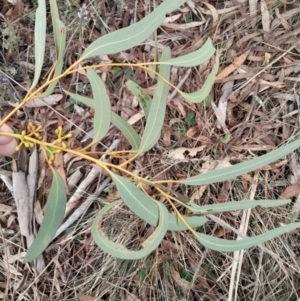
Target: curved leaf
[(224, 245), (133, 35), (60, 35), (126, 129), (194, 58), (120, 251), (54, 214), (39, 40), (55, 17), (240, 205), (144, 99), (201, 94), (145, 207), (157, 111), (85, 100), (101, 106), (227, 173), (175, 224)]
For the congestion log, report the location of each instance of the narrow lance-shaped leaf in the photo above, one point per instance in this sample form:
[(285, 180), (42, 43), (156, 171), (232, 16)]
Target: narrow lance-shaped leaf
[(101, 106), (54, 214), (224, 245), (201, 94), (60, 34), (126, 129), (227, 173), (39, 40), (145, 207), (156, 58), (240, 205), (119, 251), (85, 100), (133, 35), (157, 111), (144, 99), (55, 24), (194, 58)]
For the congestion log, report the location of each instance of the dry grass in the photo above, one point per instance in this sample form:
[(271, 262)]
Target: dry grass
[(262, 115)]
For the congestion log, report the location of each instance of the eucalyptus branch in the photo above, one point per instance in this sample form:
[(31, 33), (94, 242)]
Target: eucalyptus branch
[(127, 183)]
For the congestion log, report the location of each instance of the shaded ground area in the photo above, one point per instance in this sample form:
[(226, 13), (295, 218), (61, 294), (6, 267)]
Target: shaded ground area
[(252, 109)]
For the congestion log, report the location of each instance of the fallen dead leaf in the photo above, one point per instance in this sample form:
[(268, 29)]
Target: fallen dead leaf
[(38, 212), (237, 62), (172, 18), (135, 118), (59, 167), (290, 191), (182, 26), (265, 15), (223, 102), (6, 209), (224, 193), (220, 118), (198, 193), (193, 131), (10, 220), (267, 58), (283, 21), (287, 60), (50, 100), (183, 153), (253, 12), (214, 12)]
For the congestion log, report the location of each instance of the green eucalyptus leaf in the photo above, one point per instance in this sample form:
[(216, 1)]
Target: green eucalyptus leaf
[(144, 99), (119, 251), (201, 94), (194, 58), (39, 40), (56, 25), (175, 224), (85, 100), (240, 205), (102, 107), (227, 173), (145, 207), (157, 111), (133, 35), (126, 129), (54, 215), (60, 35), (224, 245)]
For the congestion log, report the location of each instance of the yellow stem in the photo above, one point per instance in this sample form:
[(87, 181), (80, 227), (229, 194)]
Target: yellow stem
[(70, 71), (102, 164), (168, 198)]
